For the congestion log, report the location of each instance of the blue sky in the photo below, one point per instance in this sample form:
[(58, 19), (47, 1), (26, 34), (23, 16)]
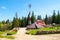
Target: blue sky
[(8, 8)]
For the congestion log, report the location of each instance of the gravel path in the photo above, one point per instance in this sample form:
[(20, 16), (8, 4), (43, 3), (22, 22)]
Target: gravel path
[(22, 36)]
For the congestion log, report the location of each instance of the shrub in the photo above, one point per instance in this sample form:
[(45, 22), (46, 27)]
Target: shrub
[(11, 33)]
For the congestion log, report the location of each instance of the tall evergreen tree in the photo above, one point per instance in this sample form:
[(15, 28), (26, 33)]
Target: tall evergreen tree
[(46, 19), (39, 17), (54, 17), (3, 22), (15, 21), (25, 20), (58, 18), (19, 22), (22, 22), (7, 21), (33, 18)]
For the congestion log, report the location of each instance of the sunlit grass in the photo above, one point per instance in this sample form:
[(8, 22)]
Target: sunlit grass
[(43, 30), (11, 33), (49, 29), (9, 37)]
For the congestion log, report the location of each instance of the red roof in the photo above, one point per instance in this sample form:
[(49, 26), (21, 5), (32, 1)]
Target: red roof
[(39, 22)]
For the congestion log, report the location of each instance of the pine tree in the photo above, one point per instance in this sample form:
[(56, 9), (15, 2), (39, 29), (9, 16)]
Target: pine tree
[(19, 22), (33, 19), (25, 20), (58, 18), (3, 22), (15, 21), (54, 17), (39, 17), (22, 22), (46, 19), (7, 21)]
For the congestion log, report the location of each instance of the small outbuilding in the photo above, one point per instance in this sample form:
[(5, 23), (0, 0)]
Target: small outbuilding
[(37, 24)]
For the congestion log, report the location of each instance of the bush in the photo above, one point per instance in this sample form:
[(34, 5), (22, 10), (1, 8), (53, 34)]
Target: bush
[(11, 33), (47, 32)]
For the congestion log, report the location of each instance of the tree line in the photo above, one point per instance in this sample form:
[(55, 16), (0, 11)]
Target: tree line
[(55, 18), (18, 22)]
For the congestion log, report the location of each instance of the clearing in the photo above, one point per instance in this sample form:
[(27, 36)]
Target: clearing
[(22, 36)]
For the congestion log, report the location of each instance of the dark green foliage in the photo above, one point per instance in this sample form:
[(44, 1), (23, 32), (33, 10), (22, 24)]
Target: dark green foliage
[(46, 19), (19, 22), (15, 22), (3, 22), (24, 22), (7, 21), (9, 24), (33, 18), (3, 27), (11, 33), (54, 17), (58, 18), (39, 17)]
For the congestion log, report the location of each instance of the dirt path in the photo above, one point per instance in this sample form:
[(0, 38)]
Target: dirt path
[(22, 36)]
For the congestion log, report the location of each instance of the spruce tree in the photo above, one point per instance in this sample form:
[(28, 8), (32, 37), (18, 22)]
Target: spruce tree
[(33, 19), (19, 22), (54, 17), (3, 22), (39, 17), (58, 18), (7, 21), (46, 19), (15, 21), (25, 21)]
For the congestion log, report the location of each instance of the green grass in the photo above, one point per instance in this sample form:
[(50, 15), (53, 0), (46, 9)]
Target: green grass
[(49, 29), (11, 33), (9, 37), (34, 31), (1, 32)]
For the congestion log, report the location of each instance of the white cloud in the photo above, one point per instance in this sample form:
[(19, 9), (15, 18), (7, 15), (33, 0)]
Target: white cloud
[(3, 7)]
